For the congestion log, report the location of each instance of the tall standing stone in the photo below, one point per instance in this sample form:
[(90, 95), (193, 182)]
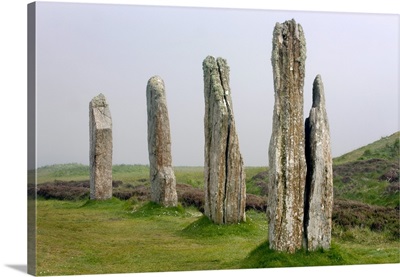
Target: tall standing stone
[(318, 197), (162, 177), (286, 150), (101, 147), (224, 175)]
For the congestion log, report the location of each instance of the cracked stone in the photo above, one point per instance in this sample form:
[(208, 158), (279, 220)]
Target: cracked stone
[(224, 175)]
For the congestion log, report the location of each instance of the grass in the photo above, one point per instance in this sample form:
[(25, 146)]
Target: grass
[(264, 257), (114, 236), (385, 148), (130, 173), (359, 174), (368, 191), (191, 175), (363, 181), (64, 172), (251, 184), (366, 247), (126, 236)]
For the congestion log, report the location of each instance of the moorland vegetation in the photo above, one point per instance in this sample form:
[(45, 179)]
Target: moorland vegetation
[(128, 233)]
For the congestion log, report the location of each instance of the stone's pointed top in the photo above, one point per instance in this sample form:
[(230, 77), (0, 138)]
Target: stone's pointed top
[(222, 62), (217, 70), (156, 86), (289, 28), (209, 62), (211, 59), (100, 112), (286, 24), (156, 79), (289, 35), (101, 97), (99, 101), (318, 92)]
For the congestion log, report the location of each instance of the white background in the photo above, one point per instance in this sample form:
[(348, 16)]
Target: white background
[(13, 135)]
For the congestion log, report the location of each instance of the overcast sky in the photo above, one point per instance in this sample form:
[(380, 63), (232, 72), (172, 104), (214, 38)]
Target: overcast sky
[(87, 49)]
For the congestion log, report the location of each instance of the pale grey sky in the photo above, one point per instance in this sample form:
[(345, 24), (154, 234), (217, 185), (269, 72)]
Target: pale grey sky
[(87, 49)]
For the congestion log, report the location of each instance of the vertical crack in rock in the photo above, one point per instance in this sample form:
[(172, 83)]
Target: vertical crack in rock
[(307, 187), (318, 194), (208, 86), (225, 88), (286, 150), (162, 176), (225, 188), (100, 129)]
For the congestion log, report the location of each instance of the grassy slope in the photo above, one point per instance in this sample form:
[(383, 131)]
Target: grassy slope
[(379, 149), (358, 173)]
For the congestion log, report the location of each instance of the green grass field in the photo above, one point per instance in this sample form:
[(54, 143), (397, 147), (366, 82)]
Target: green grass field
[(114, 236), (126, 236)]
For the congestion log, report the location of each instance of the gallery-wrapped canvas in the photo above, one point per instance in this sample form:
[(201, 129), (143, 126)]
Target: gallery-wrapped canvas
[(136, 115)]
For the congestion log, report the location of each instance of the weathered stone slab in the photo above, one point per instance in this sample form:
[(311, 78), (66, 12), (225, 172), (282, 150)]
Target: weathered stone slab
[(318, 199), (224, 175), (162, 177), (286, 150), (101, 147)]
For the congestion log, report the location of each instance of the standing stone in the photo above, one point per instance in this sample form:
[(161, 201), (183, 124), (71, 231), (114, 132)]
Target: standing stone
[(162, 177), (286, 150), (224, 175), (318, 197), (100, 149)]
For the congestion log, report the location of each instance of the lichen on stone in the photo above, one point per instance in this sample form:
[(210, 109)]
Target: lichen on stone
[(162, 177), (286, 150), (224, 176)]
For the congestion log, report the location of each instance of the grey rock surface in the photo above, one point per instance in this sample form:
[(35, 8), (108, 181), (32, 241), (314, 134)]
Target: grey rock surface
[(318, 200), (101, 148), (162, 177), (224, 175), (287, 148)]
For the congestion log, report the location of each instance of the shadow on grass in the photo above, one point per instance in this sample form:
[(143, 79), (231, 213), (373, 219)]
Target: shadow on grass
[(264, 257)]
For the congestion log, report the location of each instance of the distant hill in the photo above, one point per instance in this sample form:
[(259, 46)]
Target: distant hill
[(370, 174), (386, 148)]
